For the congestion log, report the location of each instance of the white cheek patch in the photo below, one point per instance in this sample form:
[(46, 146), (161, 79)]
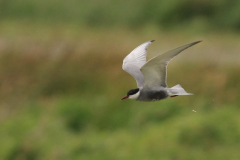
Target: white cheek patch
[(134, 96)]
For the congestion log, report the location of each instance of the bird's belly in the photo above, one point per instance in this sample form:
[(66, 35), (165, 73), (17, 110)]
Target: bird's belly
[(151, 96)]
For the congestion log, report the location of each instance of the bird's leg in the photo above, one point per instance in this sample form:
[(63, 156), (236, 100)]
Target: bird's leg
[(173, 96)]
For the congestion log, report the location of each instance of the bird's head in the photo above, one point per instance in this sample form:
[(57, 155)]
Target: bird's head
[(132, 94)]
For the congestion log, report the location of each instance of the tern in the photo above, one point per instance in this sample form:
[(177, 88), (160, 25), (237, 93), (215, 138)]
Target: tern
[(151, 76)]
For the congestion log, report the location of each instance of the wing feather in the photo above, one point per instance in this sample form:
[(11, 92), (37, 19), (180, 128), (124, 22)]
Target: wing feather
[(155, 70), (135, 60)]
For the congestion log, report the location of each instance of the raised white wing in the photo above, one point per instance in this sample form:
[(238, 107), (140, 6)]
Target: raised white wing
[(135, 60), (155, 70)]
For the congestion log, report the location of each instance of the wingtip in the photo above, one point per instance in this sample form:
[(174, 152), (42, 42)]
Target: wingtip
[(197, 42), (193, 43), (152, 40)]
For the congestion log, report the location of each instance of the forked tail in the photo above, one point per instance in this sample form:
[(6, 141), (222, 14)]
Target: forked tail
[(177, 90)]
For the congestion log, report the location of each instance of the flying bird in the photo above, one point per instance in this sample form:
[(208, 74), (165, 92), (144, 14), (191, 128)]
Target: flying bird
[(151, 76)]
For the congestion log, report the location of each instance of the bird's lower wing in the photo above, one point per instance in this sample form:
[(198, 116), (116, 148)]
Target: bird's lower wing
[(155, 70)]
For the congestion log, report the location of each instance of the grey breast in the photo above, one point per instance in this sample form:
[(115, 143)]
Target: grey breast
[(152, 95)]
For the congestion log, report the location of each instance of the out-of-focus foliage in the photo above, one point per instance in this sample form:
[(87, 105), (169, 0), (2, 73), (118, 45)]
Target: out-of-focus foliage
[(61, 80), (220, 14), (60, 99)]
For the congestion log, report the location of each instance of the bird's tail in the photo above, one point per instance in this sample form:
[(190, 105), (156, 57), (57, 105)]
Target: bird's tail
[(177, 90)]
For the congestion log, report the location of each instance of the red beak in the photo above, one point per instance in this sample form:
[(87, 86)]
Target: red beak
[(124, 97)]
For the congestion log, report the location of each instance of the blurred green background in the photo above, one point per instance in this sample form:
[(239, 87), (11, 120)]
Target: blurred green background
[(61, 80)]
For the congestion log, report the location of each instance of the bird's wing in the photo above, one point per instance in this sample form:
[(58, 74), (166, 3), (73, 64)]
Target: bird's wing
[(155, 70), (135, 60)]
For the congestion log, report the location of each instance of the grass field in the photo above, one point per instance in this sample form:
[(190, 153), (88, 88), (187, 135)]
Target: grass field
[(61, 86)]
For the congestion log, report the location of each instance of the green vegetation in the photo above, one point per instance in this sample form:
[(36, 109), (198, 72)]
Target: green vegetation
[(201, 14), (61, 81)]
